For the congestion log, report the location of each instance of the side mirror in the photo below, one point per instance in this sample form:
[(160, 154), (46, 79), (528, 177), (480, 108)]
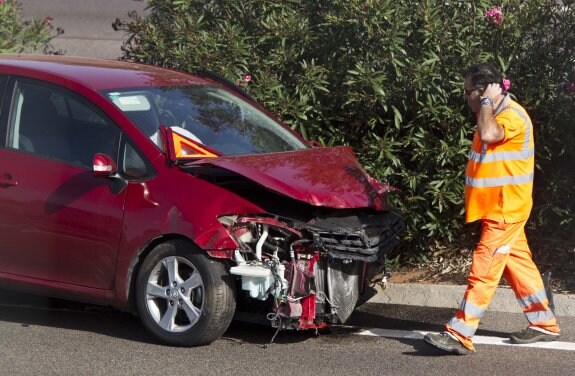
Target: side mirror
[(104, 165)]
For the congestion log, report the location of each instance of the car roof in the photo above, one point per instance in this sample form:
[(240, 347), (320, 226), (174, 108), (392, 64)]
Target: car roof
[(98, 74)]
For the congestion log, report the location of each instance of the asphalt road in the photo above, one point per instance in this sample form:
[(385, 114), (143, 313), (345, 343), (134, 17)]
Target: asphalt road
[(42, 336), (87, 24)]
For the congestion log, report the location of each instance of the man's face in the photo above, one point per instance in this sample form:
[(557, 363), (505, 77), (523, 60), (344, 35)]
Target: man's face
[(472, 94)]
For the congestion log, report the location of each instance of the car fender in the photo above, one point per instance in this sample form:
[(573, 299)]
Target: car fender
[(174, 204)]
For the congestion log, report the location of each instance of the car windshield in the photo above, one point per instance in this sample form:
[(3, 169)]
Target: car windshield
[(206, 114)]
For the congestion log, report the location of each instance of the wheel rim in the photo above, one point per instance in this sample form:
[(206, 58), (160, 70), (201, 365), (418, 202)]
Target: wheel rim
[(175, 294)]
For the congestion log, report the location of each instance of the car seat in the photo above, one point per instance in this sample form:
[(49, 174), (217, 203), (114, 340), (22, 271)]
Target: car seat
[(42, 130)]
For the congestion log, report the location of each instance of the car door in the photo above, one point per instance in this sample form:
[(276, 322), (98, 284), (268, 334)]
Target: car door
[(58, 222)]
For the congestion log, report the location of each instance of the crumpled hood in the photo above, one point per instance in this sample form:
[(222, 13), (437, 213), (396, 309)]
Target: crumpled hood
[(330, 177)]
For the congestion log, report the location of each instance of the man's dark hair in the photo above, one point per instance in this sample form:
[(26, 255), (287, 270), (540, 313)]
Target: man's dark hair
[(482, 75)]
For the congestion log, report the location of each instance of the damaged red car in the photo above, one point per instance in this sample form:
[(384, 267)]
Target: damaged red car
[(177, 197)]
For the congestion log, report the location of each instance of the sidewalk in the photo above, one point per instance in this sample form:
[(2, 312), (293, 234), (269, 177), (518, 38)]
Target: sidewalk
[(449, 296)]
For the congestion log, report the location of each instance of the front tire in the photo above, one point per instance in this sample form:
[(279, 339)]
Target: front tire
[(182, 296)]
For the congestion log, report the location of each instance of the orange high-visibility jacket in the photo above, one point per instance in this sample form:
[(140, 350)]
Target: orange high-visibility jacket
[(499, 176)]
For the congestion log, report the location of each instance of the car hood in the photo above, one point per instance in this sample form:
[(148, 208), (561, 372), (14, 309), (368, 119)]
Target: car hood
[(330, 177)]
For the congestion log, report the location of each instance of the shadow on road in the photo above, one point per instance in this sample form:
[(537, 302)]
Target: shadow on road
[(33, 310)]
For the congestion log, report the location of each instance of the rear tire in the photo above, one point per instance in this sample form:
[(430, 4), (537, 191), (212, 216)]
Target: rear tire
[(183, 297)]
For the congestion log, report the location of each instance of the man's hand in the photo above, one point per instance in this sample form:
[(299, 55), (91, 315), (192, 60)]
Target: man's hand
[(492, 91)]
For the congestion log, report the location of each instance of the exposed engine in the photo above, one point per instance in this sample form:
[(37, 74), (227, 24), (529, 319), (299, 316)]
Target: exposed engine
[(311, 272), (306, 262)]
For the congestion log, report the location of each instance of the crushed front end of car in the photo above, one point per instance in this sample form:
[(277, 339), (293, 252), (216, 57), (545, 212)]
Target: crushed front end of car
[(302, 265), (310, 273)]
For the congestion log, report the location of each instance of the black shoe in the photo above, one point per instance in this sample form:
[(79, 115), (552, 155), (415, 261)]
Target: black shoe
[(531, 336), (446, 342)]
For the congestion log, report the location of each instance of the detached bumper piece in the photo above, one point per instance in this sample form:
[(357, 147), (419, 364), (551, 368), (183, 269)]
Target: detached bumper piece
[(365, 237)]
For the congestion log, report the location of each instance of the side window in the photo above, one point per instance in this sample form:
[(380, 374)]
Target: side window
[(58, 125), (3, 80), (133, 166)]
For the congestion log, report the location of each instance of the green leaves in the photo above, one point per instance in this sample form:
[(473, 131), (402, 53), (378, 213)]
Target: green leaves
[(383, 76), (17, 35)]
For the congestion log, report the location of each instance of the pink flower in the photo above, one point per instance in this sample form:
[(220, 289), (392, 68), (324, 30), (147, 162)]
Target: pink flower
[(495, 15), (48, 20), (1, 2), (571, 87), (248, 78), (506, 84)]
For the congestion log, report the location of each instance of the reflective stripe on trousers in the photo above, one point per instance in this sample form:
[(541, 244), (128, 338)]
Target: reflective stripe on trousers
[(502, 251)]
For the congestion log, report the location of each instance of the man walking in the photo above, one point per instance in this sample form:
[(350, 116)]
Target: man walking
[(498, 190)]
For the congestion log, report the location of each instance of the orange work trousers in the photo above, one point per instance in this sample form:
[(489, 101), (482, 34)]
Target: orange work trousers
[(502, 250)]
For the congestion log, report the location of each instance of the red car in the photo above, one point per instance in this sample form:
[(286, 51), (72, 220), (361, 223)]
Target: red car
[(177, 197)]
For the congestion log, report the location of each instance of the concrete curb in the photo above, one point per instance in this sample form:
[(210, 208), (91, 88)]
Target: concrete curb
[(449, 296)]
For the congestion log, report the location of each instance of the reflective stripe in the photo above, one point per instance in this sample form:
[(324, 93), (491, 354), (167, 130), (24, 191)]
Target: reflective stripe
[(498, 182), (501, 156), (539, 316), (535, 298), (461, 328), (503, 105), (471, 309), (527, 127)]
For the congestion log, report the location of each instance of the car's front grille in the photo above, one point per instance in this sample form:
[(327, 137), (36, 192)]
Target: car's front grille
[(358, 237)]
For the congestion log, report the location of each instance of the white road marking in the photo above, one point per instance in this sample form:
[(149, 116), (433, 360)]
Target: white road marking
[(478, 340)]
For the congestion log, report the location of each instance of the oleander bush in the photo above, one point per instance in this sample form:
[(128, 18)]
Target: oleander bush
[(384, 77), (17, 35)]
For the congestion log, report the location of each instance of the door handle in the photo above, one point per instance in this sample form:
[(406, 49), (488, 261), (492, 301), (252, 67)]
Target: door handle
[(7, 181)]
